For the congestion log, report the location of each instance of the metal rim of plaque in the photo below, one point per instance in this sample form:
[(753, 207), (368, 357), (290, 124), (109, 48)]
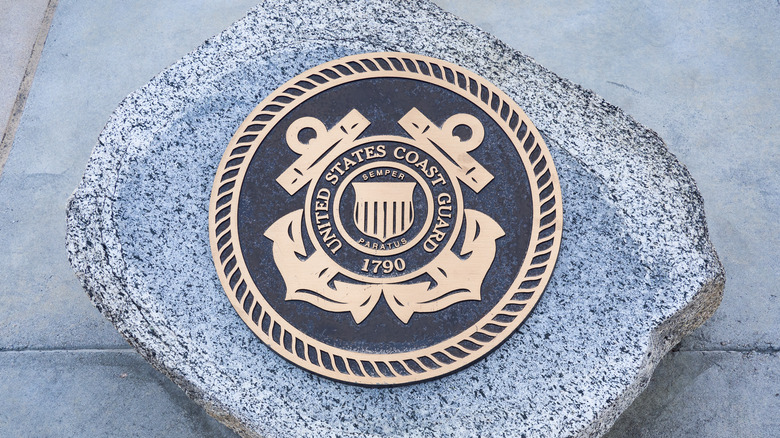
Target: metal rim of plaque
[(385, 218)]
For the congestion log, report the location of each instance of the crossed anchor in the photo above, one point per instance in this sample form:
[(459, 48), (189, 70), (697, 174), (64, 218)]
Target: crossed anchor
[(456, 277)]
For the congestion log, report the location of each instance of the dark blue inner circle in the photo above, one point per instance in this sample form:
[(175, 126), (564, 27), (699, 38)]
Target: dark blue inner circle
[(383, 101), (364, 262)]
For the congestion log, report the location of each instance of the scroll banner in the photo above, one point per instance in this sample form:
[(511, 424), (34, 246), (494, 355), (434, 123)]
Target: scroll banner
[(457, 278)]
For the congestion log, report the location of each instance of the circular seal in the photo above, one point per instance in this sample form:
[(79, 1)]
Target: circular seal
[(385, 218)]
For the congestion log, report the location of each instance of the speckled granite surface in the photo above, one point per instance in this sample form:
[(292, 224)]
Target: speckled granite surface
[(635, 273)]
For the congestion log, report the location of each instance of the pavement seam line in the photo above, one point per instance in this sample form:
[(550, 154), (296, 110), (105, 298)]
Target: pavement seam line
[(69, 350), (759, 350), (24, 87)]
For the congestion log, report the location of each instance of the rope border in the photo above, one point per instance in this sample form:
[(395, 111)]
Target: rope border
[(400, 368)]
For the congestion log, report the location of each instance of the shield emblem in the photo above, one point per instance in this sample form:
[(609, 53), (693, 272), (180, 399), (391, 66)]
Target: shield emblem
[(383, 210)]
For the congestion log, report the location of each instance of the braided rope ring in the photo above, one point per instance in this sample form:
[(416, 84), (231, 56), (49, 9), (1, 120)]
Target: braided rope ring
[(384, 368)]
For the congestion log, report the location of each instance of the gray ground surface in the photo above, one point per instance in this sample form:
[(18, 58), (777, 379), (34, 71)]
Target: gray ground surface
[(703, 75), (21, 20)]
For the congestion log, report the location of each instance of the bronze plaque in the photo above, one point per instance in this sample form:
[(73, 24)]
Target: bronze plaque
[(385, 218)]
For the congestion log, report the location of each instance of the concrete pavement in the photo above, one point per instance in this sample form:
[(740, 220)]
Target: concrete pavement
[(60, 356), (27, 24), (703, 75), (94, 393)]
